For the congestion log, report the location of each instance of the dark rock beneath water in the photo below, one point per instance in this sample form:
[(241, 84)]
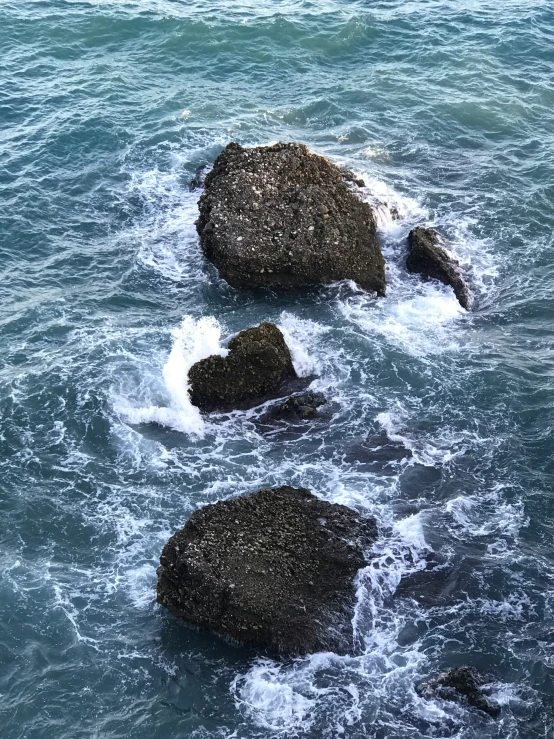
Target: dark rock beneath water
[(463, 684), (255, 369), (296, 408), (443, 583), (274, 569), (283, 217), (428, 258), (437, 585), (378, 451)]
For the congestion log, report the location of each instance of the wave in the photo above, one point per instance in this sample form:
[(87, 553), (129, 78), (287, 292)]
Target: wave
[(192, 340)]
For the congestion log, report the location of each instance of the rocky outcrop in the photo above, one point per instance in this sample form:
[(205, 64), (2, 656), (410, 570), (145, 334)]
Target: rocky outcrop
[(283, 217), (255, 369), (274, 569), (427, 258), (463, 685)]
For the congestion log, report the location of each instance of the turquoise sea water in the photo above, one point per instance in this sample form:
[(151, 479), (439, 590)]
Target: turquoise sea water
[(107, 107)]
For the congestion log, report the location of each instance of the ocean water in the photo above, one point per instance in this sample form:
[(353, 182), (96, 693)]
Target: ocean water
[(107, 108)]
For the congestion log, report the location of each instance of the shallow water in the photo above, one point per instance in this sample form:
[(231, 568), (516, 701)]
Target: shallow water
[(107, 108)]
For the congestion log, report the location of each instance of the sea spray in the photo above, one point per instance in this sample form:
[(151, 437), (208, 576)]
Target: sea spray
[(299, 335), (392, 210), (192, 340)]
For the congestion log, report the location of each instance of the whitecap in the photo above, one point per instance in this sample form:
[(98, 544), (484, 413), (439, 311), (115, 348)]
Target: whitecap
[(301, 337), (192, 340), (267, 696), (391, 207), (418, 323)]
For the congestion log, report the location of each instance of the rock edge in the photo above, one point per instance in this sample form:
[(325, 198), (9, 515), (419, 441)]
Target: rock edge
[(427, 258)]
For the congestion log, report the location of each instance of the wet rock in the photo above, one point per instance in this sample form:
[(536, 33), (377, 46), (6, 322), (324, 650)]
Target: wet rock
[(463, 684), (349, 176), (199, 179), (295, 408), (378, 451), (283, 217), (256, 368), (274, 569), (428, 258)]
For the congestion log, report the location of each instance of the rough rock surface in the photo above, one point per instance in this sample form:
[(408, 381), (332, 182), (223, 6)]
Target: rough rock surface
[(283, 217), (428, 258), (274, 569), (462, 684), (257, 365)]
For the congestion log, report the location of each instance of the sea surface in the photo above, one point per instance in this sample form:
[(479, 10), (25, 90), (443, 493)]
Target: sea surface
[(107, 108)]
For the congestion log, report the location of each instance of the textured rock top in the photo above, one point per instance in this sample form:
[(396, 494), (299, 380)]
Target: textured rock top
[(274, 568), (284, 217), (255, 369)]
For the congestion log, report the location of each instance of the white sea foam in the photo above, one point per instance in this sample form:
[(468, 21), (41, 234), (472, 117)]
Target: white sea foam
[(140, 582), (416, 316), (392, 422), (373, 152), (487, 514), (395, 213), (192, 340), (475, 254), (394, 555), (428, 450), (416, 321), (390, 207), (301, 336), (166, 235), (63, 602)]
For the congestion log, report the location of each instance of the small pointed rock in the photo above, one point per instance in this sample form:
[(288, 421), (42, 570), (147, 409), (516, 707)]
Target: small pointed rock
[(427, 258)]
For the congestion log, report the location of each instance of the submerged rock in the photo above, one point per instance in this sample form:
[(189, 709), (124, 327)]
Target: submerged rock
[(283, 217), (439, 584), (463, 684), (379, 451), (199, 179), (274, 569), (255, 369), (428, 258), (296, 408)]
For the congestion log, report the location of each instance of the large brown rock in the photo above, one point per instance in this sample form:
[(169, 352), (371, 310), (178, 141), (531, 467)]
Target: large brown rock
[(427, 258), (283, 217), (274, 569), (255, 369)]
